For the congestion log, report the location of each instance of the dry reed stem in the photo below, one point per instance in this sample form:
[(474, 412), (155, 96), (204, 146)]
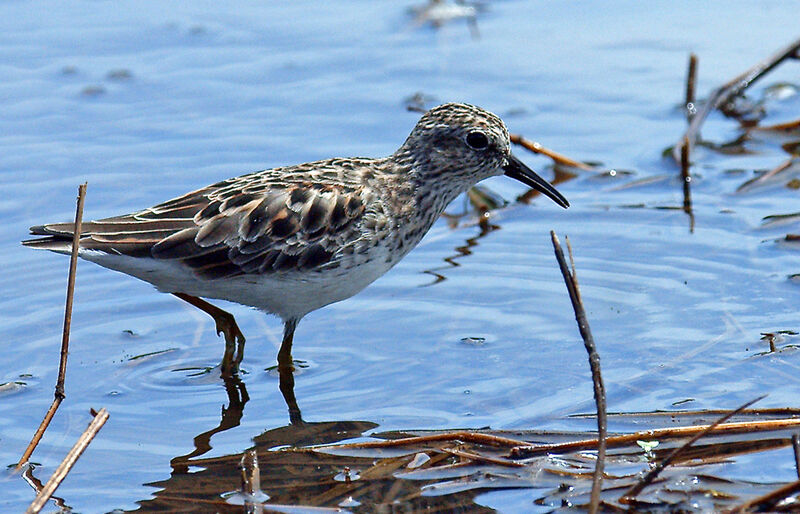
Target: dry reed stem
[(731, 89), (750, 184), (660, 434), (796, 448), (769, 500), (483, 458), (66, 465), (691, 80), (787, 127), (470, 437), (522, 449), (691, 110), (535, 147), (630, 495), (789, 412), (686, 178), (571, 281), (62, 366)]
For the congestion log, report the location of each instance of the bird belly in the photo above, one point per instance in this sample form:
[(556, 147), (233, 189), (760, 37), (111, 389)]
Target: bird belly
[(288, 295)]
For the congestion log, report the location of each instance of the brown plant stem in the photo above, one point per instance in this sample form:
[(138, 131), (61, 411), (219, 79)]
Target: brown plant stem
[(66, 465), (734, 87), (686, 179), (766, 502), (62, 366), (691, 80), (470, 437), (630, 495), (535, 147), (571, 281), (660, 434)]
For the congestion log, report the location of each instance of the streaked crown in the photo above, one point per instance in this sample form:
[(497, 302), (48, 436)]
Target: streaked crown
[(458, 143)]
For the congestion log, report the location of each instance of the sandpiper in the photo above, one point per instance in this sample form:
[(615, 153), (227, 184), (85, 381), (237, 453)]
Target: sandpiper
[(290, 240)]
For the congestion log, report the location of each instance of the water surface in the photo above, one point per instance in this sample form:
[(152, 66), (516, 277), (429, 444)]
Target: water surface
[(146, 100)]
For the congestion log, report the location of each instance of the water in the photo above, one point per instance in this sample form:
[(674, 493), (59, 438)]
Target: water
[(146, 100)]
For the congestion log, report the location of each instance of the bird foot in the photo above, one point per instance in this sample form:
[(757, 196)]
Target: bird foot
[(234, 343), (226, 325)]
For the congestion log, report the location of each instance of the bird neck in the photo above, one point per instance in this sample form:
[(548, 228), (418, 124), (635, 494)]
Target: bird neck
[(436, 180)]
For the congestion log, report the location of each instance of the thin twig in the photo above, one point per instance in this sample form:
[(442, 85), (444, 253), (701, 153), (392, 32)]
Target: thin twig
[(73, 266), (731, 89), (691, 110), (796, 447), (631, 493), (62, 366), (768, 501), (571, 281), (66, 465), (691, 80), (483, 458), (787, 127), (660, 434), (766, 177), (535, 147), (686, 178), (470, 437), (791, 412), (522, 449), (572, 267)]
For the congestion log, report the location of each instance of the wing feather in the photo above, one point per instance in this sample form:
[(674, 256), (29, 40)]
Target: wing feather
[(254, 224)]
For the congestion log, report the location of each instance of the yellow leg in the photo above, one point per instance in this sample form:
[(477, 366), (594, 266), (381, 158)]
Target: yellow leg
[(226, 325)]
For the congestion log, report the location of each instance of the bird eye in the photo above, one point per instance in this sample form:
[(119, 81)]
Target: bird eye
[(477, 140)]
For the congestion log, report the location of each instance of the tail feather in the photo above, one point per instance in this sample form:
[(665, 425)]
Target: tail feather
[(112, 227), (114, 235), (52, 243), (46, 230)]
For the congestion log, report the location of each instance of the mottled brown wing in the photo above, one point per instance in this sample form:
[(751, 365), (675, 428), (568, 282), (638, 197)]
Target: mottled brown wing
[(239, 226)]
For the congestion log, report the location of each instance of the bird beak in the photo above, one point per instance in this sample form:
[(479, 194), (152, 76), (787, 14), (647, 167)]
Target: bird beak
[(515, 169)]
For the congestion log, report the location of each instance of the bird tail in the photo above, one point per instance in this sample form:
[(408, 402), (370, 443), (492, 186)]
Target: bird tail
[(57, 237)]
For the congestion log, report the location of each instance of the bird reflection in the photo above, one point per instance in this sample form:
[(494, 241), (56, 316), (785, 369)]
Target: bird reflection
[(231, 417), (287, 390), (237, 391)]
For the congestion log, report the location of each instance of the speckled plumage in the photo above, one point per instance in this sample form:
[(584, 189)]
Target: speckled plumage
[(291, 240)]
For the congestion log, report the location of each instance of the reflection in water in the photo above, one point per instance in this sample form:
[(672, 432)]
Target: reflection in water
[(231, 417), (461, 251), (560, 174), (296, 477), (448, 475), (287, 390), (37, 485), (483, 200)]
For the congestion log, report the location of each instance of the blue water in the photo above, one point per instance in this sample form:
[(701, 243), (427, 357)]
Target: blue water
[(146, 100)]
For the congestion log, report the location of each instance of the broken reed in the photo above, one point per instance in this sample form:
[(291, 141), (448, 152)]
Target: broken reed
[(571, 281)]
